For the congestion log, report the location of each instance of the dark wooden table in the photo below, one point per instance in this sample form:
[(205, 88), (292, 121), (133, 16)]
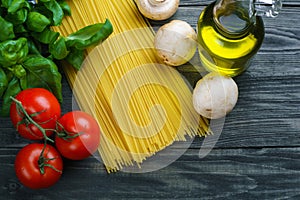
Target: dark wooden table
[(256, 157)]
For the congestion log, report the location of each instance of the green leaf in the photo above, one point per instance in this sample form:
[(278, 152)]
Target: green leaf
[(23, 82), (7, 30), (75, 58), (47, 36), (13, 51), (65, 7), (20, 29), (57, 11), (90, 35), (37, 22), (18, 71), (18, 17), (42, 72), (3, 81), (32, 48), (58, 49), (17, 5), (6, 3), (13, 89)]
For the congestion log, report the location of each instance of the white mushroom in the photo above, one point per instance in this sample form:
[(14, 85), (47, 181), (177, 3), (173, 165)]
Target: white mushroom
[(215, 95), (157, 9), (175, 42)]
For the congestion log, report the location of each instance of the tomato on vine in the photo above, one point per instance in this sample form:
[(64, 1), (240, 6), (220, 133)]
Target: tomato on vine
[(78, 135), (41, 106), (38, 166)]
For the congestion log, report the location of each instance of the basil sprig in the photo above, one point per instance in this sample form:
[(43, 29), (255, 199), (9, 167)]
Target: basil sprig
[(30, 49)]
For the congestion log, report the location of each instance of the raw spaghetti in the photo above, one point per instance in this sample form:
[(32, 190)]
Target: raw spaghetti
[(141, 105)]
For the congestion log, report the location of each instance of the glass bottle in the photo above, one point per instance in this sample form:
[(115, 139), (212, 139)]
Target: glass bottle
[(230, 32)]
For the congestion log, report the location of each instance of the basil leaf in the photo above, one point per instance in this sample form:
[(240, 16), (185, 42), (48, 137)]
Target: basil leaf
[(3, 81), (17, 5), (18, 71), (32, 48), (47, 36), (18, 17), (13, 89), (75, 58), (37, 22), (58, 49), (65, 7), (23, 83), (42, 72), (57, 12), (20, 29), (6, 3), (13, 51), (7, 30), (90, 35)]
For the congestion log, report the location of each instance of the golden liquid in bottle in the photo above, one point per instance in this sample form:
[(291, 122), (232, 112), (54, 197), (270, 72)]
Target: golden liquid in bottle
[(228, 51)]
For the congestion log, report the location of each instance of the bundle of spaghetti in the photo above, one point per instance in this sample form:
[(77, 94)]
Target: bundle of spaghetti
[(141, 105)]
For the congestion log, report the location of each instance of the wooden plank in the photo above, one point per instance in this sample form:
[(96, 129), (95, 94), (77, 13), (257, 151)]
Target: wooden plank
[(265, 173)]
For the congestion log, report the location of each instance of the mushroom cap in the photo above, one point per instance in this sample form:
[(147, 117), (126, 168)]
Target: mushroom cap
[(215, 95), (175, 42), (158, 9)]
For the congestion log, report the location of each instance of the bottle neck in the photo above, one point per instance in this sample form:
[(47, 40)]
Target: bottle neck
[(234, 17)]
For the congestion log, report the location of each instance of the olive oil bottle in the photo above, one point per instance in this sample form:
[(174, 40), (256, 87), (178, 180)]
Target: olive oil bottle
[(230, 32)]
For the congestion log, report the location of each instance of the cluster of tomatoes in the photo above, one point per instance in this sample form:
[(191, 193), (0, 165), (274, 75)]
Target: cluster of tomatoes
[(36, 114)]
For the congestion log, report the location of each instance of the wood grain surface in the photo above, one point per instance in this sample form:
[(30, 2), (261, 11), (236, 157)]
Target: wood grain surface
[(256, 157)]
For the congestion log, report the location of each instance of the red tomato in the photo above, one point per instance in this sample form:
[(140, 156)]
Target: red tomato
[(28, 170), (79, 135), (42, 106)]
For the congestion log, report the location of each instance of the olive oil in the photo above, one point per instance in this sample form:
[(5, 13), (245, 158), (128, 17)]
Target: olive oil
[(228, 37)]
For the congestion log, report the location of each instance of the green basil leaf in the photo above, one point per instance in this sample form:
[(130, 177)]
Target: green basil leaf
[(6, 3), (18, 17), (57, 12), (20, 29), (42, 72), (18, 71), (32, 48), (17, 5), (58, 49), (65, 7), (75, 58), (23, 83), (3, 81), (13, 89), (90, 35), (37, 22), (7, 30), (47, 36), (13, 51)]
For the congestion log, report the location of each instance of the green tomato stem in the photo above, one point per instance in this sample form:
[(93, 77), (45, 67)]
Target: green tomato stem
[(20, 106), (42, 161)]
